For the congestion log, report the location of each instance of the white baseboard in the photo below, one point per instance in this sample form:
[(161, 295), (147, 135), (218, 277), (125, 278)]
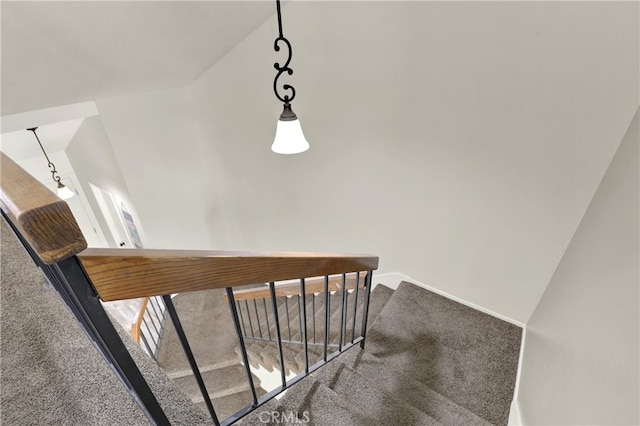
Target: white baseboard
[(393, 279), (514, 414)]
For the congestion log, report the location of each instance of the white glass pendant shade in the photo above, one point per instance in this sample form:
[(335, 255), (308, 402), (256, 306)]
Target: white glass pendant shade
[(289, 138), (64, 192)]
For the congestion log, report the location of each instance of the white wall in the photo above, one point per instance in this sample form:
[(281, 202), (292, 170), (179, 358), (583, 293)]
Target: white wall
[(580, 362), (158, 155), (93, 159), (461, 142)]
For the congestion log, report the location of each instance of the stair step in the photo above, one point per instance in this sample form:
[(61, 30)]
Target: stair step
[(211, 333), (465, 355), (254, 350), (219, 382), (321, 405), (412, 391), (182, 373), (257, 417), (380, 295), (370, 398), (229, 404)]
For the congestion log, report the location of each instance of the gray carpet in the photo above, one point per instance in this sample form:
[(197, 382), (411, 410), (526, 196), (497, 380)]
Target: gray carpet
[(50, 372), (467, 356), (428, 361)]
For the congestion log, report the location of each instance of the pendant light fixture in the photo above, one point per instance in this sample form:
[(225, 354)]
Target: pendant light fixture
[(62, 191), (289, 137)]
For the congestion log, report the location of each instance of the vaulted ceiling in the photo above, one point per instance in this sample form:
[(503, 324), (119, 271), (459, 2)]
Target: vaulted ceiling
[(58, 53)]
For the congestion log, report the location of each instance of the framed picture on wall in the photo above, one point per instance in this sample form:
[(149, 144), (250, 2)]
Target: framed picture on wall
[(131, 227)]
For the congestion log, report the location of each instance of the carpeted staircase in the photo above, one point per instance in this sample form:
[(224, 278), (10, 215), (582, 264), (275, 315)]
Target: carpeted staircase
[(50, 372), (428, 361), (206, 320)]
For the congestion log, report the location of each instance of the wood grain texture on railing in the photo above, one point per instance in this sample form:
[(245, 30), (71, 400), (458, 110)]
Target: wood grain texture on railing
[(312, 285), (129, 273), (42, 218)]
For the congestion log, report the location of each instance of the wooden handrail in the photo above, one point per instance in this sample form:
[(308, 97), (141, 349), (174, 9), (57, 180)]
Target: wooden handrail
[(312, 285), (129, 273), (137, 323), (42, 218)]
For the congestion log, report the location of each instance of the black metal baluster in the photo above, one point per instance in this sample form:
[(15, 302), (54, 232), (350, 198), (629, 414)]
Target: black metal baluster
[(246, 304), (155, 318), (355, 308), (266, 316), (146, 344), (304, 329), (192, 361), (163, 314), (155, 311), (286, 305), (300, 316), (272, 290), (152, 322), (144, 321), (255, 306), (344, 301), (313, 304), (327, 310), (365, 314), (243, 348), (239, 310)]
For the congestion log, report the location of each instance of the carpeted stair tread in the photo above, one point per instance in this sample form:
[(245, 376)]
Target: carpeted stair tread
[(254, 353), (380, 295), (370, 398), (410, 390), (257, 418), (211, 333), (219, 382), (463, 354), (322, 406), (225, 406)]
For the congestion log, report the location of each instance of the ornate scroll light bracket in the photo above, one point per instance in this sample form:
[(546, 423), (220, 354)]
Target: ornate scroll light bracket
[(289, 137), (62, 191)]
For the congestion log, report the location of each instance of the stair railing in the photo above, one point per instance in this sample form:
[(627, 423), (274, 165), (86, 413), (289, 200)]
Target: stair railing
[(148, 327), (252, 304), (118, 274), (304, 289), (85, 276)]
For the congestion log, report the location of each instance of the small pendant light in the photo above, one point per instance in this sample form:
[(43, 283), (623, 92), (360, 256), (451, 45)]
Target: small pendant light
[(289, 137), (62, 191)]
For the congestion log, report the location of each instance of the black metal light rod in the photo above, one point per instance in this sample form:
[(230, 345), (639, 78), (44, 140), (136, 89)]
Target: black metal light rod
[(54, 172), (285, 67)]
